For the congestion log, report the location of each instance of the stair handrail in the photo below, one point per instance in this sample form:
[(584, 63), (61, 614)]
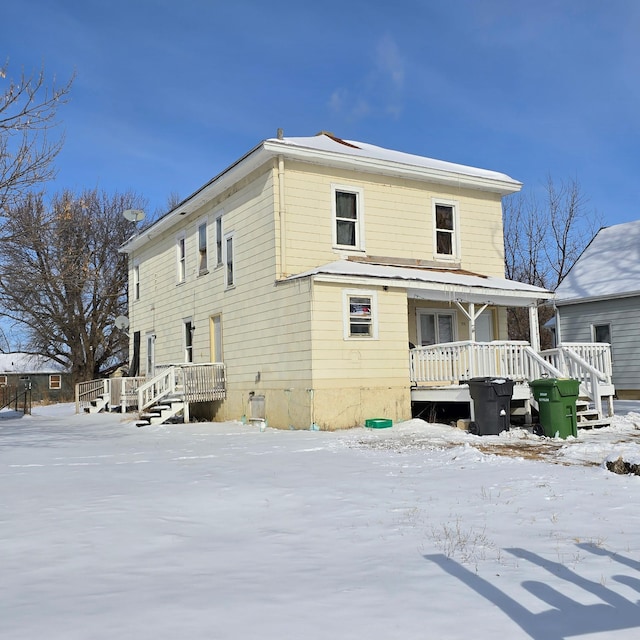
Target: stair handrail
[(591, 390), (157, 388), (545, 366)]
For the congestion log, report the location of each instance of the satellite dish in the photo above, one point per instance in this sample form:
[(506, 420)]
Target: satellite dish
[(122, 322), (133, 215)]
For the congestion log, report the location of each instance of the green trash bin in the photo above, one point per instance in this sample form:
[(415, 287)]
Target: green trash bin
[(556, 398)]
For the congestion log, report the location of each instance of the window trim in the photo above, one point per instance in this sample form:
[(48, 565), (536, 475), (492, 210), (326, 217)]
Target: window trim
[(347, 294), (219, 234), (181, 258), (359, 221), (136, 281), (593, 332), (203, 222), (436, 312), (53, 386), (229, 283), (455, 241), (187, 325)]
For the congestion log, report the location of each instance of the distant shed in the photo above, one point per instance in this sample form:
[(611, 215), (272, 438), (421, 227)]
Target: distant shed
[(47, 379)]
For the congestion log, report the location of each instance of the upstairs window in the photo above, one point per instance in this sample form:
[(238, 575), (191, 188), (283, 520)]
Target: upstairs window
[(229, 260), (219, 239), (202, 248), (181, 256), (446, 234), (136, 282), (348, 218)]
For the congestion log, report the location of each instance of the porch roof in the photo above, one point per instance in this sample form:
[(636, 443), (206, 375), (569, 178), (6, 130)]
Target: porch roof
[(430, 284)]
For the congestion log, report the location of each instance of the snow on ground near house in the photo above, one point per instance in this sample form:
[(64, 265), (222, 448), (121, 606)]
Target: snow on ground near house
[(216, 531)]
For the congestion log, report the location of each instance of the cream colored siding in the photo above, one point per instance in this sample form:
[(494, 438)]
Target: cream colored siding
[(398, 219)]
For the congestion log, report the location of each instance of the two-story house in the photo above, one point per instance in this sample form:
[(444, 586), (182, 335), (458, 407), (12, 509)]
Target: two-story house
[(336, 280)]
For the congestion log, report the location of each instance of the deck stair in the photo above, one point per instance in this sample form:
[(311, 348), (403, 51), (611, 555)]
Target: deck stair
[(588, 417), (101, 403), (167, 408)]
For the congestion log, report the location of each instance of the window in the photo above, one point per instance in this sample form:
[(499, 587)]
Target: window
[(348, 218), (229, 260), (445, 231), (435, 327), (136, 282), (3, 381), (219, 239), (188, 340), (55, 381), (181, 254), (601, 333), (202, 248), (360, 315)]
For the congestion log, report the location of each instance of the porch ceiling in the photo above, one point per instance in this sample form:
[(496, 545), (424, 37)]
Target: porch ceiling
[(431, 284)]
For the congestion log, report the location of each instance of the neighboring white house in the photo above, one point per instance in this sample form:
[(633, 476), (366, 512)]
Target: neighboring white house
[(599, 301)]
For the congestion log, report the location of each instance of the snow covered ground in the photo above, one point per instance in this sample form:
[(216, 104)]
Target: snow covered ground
[(216, 531)]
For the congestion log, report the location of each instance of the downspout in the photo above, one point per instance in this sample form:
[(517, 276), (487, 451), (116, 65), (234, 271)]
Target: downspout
[(282, 217)]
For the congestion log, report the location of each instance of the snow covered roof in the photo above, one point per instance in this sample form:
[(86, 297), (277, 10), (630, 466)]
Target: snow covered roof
[(28, 363), (431, 284), (608, 268), (365, 156)]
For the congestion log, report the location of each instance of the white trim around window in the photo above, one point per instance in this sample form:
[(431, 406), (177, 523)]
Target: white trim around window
[(445, 215), (347, 208), (360, 314), (202, 239), (228, 259), (136, 281), (219, 237), (181, 258)]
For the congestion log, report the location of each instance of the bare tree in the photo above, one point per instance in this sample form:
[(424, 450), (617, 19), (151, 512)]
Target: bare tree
[(63, 280), (542, 242), (28, 110)]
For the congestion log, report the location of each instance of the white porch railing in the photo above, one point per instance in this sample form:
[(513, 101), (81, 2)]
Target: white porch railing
[(88, 391), (193, 382), (455, 362)]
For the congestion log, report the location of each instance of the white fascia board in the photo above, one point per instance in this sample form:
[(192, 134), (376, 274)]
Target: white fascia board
[(445, 292), (398, 169)]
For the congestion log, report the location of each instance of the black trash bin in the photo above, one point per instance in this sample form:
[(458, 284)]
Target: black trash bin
[(492, 405)]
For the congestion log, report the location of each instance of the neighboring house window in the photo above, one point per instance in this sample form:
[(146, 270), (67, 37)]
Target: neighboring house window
[(445, 229), (3, 381), (136, 282), (55, 381), (601, 333), (348, 215), (202, 248), (229, 260), (181, 255), (360, 319), (435, 327), (219, 239), (188, 340)]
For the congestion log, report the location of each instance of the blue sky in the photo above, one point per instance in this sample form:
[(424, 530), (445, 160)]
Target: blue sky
[(169, 93)]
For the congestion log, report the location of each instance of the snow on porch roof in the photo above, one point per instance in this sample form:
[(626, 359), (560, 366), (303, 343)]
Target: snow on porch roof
[(431, 284)]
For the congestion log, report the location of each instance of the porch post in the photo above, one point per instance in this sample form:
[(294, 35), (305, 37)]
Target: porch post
[(534, 328), (472, 321)]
